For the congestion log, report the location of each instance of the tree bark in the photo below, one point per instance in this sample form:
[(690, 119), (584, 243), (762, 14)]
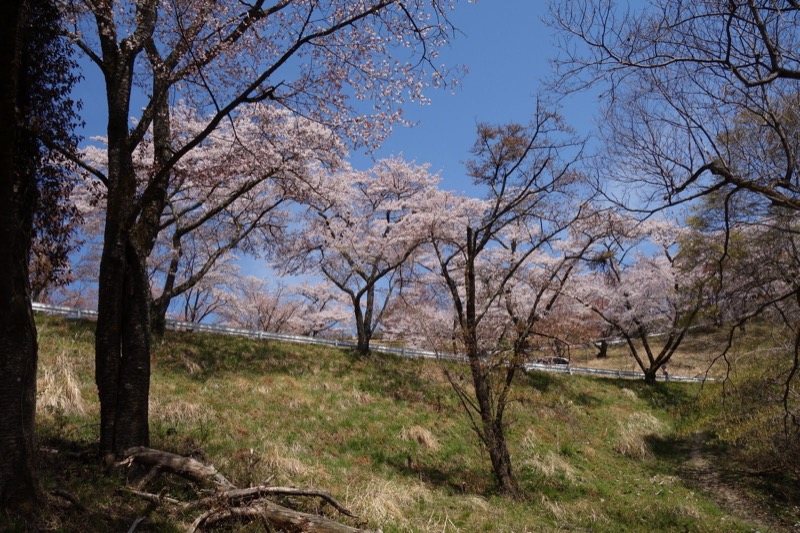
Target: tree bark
[(491, 418), (363, 327), (122, 348), (178, 464), (18, 349), (122, 340), (492, 429)]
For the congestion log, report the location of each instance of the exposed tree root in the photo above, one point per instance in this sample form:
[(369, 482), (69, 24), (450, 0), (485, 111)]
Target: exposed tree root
[(230, 502)]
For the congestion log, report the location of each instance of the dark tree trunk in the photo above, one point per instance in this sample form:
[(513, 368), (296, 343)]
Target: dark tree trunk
[(122, 348), (158, 316), (122, 339), (363, 329), (154, 207), (18, 350), (602, 349), (122, 343)]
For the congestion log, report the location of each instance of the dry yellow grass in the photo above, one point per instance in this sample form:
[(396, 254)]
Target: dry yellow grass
[(58, 388), (634, 432), (175, 412), (420, 435), (387, 500)]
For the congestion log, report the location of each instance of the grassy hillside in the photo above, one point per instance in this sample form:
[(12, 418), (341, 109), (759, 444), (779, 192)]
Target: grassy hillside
[(388, 439)]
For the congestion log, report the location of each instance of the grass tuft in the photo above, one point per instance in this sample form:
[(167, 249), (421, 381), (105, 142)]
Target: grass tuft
[(421, 436), (387, 500), (634, 434), (59, 389)]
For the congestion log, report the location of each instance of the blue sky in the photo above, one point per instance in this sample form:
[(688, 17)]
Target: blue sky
[(507, 49)]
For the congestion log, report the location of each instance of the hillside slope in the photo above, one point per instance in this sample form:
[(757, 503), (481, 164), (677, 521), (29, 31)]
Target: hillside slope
[(387, 438)]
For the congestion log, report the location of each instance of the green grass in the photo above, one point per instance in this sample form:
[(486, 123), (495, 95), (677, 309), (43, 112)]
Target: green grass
[(387, 438)]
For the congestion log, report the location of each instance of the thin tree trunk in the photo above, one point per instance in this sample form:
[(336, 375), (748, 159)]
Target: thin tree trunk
[(147, 228), (18, 349), (493, 431), (491, 419)]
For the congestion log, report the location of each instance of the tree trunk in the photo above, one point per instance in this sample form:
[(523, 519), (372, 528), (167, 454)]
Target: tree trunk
[(122, 339), (493, 432), (18, 349), (602, 349), (122, 349), (154, 207), (491, 419), (650, 375), (18, 357), (363, 329)]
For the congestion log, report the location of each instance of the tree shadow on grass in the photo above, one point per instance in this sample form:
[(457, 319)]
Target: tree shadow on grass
[(453, 478), (79, 496), (724, 474), (541, 381)]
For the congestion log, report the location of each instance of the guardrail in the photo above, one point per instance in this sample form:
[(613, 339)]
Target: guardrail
[(567, 369), (178, 325), (414, 353)]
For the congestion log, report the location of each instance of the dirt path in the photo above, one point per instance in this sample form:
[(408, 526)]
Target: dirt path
[(702, 472)]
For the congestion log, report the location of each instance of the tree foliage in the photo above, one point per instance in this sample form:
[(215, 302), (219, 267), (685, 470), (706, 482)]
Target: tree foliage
[(701, 104), (360, 231)]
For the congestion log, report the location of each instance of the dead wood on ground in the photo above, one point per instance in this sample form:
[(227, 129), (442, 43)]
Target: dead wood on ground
[(229, 502)]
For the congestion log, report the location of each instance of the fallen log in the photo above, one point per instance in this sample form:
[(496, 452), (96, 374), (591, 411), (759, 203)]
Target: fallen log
[(230, 502)]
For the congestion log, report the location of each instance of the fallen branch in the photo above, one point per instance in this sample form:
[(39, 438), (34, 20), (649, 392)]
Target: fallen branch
[(177, 464), (250, 493), (230, 501), (71, 498), (136, 524), (161, 499), (283, 518)]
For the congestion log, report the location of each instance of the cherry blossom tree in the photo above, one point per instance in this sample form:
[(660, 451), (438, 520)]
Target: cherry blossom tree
[(255, 305), (482, 248), (322, 60), (210, 294), (644, 290), (701, 103), (360, 230), (229, 193), (324, 312)]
